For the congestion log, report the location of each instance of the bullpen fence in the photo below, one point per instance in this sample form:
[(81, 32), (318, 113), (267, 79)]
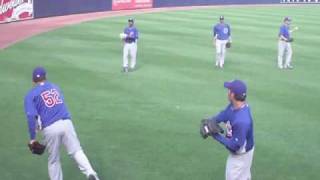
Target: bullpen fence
[(15, 10)]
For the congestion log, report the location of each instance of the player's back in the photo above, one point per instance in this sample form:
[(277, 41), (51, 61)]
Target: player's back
[(244, 117), (49, 103), (284, 31), (222, 31)]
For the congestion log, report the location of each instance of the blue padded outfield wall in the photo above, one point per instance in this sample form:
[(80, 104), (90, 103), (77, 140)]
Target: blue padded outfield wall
[(171, 3), (46, 8)]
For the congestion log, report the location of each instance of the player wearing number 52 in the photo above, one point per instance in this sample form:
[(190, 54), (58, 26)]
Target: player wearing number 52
[(47, 112)]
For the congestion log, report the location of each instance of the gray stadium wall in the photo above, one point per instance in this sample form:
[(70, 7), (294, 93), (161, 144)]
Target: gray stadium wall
[(47, 8)]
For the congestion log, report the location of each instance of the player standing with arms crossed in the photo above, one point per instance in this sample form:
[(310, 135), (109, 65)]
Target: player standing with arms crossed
[(221, 36), (130, 37), (239, 138), (284, 44), (45, 107)]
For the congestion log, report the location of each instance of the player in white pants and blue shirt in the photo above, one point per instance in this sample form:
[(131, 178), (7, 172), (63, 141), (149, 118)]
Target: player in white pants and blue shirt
[(221, 35), (239, 138), (284, 45), (45, 108), (130, 46)]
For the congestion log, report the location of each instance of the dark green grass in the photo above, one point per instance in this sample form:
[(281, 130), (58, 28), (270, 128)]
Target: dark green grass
[(144, 125)]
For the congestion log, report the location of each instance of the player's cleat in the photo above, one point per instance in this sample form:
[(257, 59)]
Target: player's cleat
[(289, 67), (125, 70), (280, 67), (92, 177)]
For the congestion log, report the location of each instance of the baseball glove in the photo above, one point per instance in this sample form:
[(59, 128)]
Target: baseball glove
[(228, 45), (36, 148), (290, 40), (208, 127)]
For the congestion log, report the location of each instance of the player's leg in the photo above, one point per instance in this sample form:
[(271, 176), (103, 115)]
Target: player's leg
[(125, 57), (234, 167), (72, 144), (218, 52), (52, 138), (288, 56), (223, 53), (133, 54), (247, 159), (231, 172), (281, 50)]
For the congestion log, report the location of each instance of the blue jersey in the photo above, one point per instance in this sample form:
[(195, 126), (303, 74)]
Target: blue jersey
[(284, 31), (46, 101), (132, 34), (222, 31), (242, 139)]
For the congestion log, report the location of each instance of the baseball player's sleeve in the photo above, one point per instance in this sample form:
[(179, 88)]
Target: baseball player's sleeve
[(137, 34), (31, 115), (125, 32), (229, 33), (238, 137), (214, 31), (281, 33), (221, 116)]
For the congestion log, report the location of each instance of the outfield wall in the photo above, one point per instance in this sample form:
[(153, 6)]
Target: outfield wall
[(47, 8), (15, 10), (171, 3)]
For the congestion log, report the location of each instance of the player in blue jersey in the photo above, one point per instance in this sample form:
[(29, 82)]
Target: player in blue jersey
[(221, 36), (284, 44), (130, 46), (239, 137), (47, 112)]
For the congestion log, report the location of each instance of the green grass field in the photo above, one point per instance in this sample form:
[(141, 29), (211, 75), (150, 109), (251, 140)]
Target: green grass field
[(144, 125)]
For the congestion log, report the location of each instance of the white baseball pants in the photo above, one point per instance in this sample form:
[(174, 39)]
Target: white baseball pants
[(130, 49), (220, 52), (239, 165), (62, 132), (284, 49)]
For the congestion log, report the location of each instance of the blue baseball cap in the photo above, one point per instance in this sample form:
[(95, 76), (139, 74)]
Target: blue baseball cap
[(221, 17), (287, 19), (238, 87), (130, 20), (38, 73)]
